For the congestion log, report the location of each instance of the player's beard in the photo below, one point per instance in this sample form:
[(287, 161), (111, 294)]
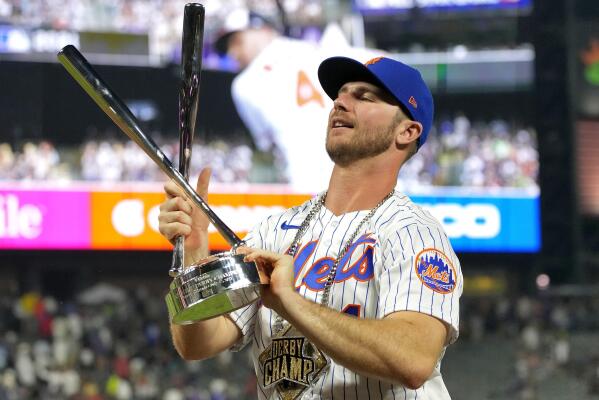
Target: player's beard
[(364, 143)]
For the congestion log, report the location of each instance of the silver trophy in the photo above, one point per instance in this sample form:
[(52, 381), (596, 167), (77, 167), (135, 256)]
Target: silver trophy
[(222, 282)]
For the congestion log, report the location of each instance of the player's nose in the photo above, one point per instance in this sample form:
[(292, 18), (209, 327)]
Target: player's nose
[(341, 102)]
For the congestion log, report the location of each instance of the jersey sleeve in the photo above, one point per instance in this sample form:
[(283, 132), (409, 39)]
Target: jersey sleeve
[(421, 273)]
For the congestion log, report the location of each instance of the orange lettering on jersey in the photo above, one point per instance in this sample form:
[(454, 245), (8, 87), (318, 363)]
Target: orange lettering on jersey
[(432, 272), (306, 92)]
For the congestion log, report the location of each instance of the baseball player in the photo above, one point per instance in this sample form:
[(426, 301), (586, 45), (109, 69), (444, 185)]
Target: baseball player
[(363, 286), (277, 94)]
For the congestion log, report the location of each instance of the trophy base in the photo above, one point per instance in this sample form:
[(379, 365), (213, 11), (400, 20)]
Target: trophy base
[(217, 285)]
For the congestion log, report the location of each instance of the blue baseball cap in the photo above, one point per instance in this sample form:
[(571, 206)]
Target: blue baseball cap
[(403, 82)]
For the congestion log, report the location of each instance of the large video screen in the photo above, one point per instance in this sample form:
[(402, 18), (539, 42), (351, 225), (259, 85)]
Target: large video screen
[(476, 175)]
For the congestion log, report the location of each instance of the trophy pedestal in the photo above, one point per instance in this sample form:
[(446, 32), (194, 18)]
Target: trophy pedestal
[(217, 285)]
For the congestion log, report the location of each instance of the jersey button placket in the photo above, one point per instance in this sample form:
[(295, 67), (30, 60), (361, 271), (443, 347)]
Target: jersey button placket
[(331, 229)]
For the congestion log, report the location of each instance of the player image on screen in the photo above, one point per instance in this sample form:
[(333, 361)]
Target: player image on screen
[(277, 93)]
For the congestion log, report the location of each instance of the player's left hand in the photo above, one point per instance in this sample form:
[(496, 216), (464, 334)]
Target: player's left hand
[(276, 272)]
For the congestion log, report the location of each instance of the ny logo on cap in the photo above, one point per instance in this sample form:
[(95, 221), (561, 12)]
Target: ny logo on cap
[(373, 60)]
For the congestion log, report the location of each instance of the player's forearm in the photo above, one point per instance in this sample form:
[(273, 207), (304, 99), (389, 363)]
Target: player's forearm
[(204, 339), (193, 256), (379, 348)]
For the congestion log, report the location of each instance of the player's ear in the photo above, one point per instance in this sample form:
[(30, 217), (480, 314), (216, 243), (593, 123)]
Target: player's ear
[(407, 131)]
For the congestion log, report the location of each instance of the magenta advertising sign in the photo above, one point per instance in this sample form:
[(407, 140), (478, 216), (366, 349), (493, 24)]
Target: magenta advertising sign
[(44, 219)]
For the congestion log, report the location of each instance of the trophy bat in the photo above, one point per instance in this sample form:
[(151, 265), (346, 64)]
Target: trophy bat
[(121, 115), (222, 282), (189, 93)]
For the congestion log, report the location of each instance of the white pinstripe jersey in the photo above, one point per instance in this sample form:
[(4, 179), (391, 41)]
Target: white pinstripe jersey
[(401, 260)]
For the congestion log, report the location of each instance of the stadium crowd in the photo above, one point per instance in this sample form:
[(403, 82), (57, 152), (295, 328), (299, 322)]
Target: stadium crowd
[(104, 345), (115, 161), (138, 15), (485, 154), (461, 153), (111, 343), (549, 338)]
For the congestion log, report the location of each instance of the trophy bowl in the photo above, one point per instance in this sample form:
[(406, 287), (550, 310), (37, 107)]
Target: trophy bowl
[(218, 284)]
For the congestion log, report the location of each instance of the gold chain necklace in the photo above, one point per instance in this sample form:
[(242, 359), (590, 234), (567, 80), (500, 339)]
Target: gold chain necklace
[(291, 362)]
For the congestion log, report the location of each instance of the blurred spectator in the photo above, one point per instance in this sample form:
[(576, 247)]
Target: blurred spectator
[(7, 160), (36, 161)]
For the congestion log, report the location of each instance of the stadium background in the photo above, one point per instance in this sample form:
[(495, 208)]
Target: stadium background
[(516, 85)]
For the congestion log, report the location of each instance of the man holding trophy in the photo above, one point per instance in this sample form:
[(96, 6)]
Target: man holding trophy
[(361, 287), (353, 294)]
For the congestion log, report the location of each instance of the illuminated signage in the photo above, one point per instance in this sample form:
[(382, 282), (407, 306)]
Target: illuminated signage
[(498, 223), (44, 220), (28, 40), (128, 220), (19, 220), (399, 5)]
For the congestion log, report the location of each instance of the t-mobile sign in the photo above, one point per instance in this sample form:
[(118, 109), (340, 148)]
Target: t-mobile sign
[(44, 219)]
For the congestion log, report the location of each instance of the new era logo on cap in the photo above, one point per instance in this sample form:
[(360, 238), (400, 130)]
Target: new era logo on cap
[(413, 102)]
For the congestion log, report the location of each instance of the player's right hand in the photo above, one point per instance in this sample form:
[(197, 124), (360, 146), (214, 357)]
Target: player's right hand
[(179, 217)]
